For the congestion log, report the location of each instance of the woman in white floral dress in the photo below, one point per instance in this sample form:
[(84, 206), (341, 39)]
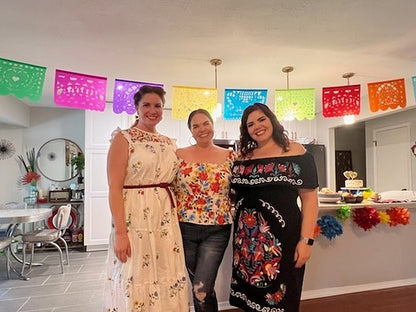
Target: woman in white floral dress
[(146, 267)]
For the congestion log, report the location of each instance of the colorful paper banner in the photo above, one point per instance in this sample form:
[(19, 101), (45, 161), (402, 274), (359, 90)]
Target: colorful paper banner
[(21, 79), (236, 101), (81, 91), (123, 95), (387, 94), (414, 85), (187, 99), (295, 103), (341, 101)]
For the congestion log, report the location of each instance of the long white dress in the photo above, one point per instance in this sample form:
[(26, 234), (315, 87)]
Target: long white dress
[(154, 277)]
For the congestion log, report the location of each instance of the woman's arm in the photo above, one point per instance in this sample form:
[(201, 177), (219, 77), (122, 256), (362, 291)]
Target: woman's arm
[(309, 199), (117, 160)]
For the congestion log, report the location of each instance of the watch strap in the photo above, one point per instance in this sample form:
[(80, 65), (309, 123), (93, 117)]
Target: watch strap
[(307, 240)]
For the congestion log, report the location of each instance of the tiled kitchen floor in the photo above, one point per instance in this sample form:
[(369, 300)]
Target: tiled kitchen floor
[(80, 289)]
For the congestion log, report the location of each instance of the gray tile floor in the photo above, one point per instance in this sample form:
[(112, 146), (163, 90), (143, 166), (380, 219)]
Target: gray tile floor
[(79, 289)]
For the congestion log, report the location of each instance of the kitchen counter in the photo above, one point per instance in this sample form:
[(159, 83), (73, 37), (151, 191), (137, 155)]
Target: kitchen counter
[(329, 206)]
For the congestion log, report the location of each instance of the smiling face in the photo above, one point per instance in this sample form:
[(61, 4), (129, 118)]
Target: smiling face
[(202, 128), (259, 127), (150, 109)]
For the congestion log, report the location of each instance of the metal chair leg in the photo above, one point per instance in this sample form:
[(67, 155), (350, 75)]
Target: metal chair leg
[(32, 256), (66, 249), (7, 254), (23, 259), (60, 255)]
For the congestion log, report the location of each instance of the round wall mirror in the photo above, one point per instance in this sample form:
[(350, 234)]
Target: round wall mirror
[(54, 159)]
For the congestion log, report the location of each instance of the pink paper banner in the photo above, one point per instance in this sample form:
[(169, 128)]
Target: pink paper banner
[(81, 91), (341, 101), (123, 96)]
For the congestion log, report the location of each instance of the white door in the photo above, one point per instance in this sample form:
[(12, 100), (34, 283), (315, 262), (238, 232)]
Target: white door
[(392, 168)]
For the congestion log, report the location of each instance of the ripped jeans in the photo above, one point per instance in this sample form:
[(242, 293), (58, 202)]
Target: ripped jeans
[(204, 247)]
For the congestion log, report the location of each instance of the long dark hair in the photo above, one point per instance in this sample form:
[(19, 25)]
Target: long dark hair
[(279, 135), (149, 89)]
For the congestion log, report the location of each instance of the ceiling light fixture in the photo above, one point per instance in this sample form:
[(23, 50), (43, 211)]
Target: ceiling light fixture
[(288, 69), (348, 119), (217, 111)]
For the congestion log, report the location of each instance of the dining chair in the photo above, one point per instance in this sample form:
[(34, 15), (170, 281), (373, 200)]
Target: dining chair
[(49, 236), (5, 243)]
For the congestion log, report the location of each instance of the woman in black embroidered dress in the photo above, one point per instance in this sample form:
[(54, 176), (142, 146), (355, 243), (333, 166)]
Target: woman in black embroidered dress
[(272, 236)]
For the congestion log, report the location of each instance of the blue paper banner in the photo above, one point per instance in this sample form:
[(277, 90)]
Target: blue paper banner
[(414, 85), (237, 100)]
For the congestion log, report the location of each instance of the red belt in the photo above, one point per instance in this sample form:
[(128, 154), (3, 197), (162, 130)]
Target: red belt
[(162, 185)]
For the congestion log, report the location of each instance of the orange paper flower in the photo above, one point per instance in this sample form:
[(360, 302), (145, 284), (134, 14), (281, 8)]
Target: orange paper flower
[(30, 177)]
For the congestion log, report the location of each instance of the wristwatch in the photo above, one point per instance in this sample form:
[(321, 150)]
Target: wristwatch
[(307, 241)]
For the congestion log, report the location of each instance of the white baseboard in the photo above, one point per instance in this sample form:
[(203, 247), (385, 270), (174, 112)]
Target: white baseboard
[(327, 292)]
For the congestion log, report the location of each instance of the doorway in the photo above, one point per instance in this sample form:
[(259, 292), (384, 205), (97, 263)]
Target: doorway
[(392, 167)]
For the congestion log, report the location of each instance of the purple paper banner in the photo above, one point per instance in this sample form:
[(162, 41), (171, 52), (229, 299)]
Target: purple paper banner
[(123, 94), (236, 101), (81, 91)]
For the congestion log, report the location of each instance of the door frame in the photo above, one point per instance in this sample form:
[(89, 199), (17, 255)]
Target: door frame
[(409, 164)]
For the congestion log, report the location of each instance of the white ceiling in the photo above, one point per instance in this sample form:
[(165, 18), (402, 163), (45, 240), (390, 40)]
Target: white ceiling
[(172, 41)]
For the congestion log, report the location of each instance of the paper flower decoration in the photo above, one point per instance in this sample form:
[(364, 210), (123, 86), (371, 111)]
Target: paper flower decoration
[(384, 217), (366, 217), (316, 231), (31, 178), (344, 212), (398, 216), (330, 227)]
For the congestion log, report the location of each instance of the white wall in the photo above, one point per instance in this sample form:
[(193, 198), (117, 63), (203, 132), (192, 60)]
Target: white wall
[(45, 124)]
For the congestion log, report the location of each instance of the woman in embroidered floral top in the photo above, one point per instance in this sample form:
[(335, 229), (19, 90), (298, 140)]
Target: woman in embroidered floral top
[(272, 237), (204, 207), (146, 265)]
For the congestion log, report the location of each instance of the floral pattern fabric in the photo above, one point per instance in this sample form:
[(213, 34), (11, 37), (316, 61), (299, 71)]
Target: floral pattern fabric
[(154, 277), (202, 192), (266, 231)]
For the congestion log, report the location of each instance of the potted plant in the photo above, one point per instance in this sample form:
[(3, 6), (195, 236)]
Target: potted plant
[(79, 163)]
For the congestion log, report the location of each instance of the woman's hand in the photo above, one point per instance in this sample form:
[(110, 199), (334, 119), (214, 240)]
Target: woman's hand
[(122, 248), (302, 254)]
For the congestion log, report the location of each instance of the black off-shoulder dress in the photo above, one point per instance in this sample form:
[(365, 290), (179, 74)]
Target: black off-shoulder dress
[(266, 231)]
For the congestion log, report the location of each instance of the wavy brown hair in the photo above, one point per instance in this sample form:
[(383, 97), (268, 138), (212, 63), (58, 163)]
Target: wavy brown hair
[(279, 135)]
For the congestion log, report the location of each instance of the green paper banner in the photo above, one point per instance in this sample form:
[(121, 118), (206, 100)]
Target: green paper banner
[(21, 79)]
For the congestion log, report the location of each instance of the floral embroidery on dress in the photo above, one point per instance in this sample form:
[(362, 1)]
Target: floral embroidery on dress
[(288, 171), (257, 252), (178, 286), (275, 298), (146, 260)]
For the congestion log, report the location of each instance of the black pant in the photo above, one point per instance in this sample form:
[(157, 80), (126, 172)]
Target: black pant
[(204, 247)]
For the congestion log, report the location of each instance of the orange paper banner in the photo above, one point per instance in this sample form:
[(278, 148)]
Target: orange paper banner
[(386, 94)]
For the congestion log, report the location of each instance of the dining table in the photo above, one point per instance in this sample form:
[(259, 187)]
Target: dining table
[(13, 218)]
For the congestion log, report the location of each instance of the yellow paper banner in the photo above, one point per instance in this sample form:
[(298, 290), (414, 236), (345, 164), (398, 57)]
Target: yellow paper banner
[(187, 99)]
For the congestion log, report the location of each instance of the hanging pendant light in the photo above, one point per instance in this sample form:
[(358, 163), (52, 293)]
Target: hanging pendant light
[(218, 109), (350, 118), (294, 103)]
